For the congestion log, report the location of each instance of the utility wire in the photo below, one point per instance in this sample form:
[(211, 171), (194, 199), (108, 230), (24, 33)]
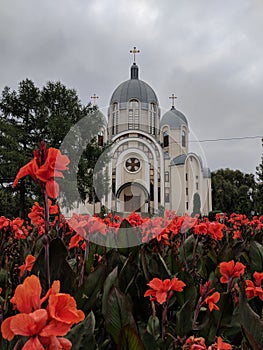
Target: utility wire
[(229, 139)]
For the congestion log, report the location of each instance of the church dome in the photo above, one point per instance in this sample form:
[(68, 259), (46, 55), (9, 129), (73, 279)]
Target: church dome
[(173, 118), (134, 88)]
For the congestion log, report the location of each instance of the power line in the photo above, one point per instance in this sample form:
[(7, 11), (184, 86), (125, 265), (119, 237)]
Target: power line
[(229, 139)]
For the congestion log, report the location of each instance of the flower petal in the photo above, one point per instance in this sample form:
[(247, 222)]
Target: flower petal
[(52, 188), (6, 330), (28, 169), (33, 344)]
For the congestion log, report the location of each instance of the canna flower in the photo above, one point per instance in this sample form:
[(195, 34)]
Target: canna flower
[(220, 345), (27, 296), (63, 308), (258, 277), (28, 265), (215, 230), (37, 215), (44, 167), (193, 343), (230, 270), (212, 300), (84, 225), (4, 223), (161, 290), (44, 328), (253, 290)]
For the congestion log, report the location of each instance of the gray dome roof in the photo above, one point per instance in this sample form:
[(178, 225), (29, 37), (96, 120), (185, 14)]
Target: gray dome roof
[(134, 88), (179, 160), (174, 118), (207, 173)]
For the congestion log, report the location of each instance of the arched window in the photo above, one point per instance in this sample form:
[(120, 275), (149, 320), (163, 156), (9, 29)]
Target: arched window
[(183, 138), (100, 138), (165, 139), (134, 115), (115, 118), (152, 119)]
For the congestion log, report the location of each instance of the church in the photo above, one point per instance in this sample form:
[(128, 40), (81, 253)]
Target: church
[(150, 165)]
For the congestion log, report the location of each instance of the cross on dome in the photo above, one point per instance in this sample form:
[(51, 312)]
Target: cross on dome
[(173, 97), (94, 97), (134, 51)]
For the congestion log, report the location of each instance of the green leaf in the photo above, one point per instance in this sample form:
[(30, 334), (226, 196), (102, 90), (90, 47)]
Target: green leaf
[(251, 323), (153, 327), (113, 259), (184, 319), (149, 342), (256, 256), (83, 334), (187, 248), (127, 237), (111, 280), (129, 340), (172, 262), (189, 292), (88, 293), (59, 267), (127, 275), (118, 313), (156, 266), (3, 278)]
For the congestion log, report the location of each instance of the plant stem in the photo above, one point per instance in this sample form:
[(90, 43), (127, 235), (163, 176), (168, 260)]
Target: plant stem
[(164, 320), (45, 239), (144, 264), (86, 256), (17, 346), (196, 314)]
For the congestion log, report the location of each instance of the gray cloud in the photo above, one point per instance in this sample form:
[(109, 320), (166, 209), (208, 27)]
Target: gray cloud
[(209, 53)]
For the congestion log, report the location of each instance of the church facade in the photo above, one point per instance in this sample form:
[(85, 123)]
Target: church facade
[(150, 164)]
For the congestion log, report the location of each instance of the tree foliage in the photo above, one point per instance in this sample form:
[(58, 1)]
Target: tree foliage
[(28, 116), (233, 191)]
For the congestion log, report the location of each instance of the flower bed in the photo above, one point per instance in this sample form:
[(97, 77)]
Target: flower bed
[(136, 283)]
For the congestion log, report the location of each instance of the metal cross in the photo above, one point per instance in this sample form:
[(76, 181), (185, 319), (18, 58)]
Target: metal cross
[(172, 98), (134, 51), (94, 97)]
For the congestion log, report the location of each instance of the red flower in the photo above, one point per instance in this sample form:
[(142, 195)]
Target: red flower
[(215, 230), (258, 277), (4, 222), (253, 290), (220, 345), (37, 215), (29, 263), (193, 343), (44, 167), (230, 270), (43, 327), (27, 295), (161, 289), (85, 225), (63, 308), (212, 300)]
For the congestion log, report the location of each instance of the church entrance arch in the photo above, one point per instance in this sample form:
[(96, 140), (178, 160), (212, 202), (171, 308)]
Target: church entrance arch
[(133, 196)]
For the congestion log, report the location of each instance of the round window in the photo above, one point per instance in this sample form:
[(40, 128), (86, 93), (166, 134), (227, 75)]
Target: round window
[(133, 164)]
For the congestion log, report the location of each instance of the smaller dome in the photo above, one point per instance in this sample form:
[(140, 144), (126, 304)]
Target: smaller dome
[(207, 173), (174, 118), (179, 160)]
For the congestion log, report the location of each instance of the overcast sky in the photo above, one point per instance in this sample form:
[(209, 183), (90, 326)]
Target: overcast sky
[(208, 53)]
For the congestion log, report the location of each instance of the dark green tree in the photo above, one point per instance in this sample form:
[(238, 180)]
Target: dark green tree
[(233, 191), (28, 116)]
